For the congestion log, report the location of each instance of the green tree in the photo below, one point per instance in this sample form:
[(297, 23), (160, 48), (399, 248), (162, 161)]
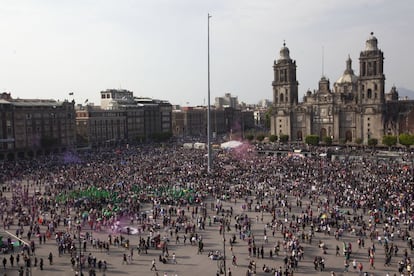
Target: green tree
[(372, 142), (342, 141), (389, 140), (260, 137), (250, 137), (312, 140), (284, 138), (273, 138), (327, 140), (406, 139), (161, 136)]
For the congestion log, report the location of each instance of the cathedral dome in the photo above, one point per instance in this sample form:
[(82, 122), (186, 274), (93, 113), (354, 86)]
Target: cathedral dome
[(284, 52), (348, 76), (371, 43)]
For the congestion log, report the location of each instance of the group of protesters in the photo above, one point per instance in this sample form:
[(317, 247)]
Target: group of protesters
[(163, 191)]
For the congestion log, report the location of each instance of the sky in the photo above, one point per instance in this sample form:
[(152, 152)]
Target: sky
[(158, 48)]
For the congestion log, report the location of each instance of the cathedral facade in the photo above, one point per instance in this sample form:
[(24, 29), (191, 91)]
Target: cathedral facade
[(356, 108)]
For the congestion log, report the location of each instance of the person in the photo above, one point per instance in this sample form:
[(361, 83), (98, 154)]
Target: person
[(173, 258), (153, 267), (234, 260), (360, 268), (50, 258), (41, 264), (11, 260), (346, 265), (229, 272)]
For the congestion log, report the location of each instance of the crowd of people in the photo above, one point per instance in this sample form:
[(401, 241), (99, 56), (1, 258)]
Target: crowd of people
[(166, 194)]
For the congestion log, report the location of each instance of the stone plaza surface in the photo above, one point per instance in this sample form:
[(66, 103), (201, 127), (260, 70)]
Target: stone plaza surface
[(189, 262)]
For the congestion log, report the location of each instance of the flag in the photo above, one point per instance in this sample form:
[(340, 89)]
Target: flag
[(86, 100), (70, 93)]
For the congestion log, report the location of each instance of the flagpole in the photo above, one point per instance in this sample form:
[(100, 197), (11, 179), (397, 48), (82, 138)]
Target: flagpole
[(209, 161)]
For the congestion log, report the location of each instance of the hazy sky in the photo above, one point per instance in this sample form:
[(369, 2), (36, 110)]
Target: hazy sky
[(158, 48)]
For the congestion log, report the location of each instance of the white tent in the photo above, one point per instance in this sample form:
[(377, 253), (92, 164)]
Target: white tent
[(200, 145), (188, 145), (231, 144)]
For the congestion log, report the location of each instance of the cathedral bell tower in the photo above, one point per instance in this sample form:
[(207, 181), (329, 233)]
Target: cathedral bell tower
[(285, 92), (285, 85), (371, 96), (372, 78)]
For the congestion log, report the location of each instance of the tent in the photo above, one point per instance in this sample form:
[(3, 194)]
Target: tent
[(188, 145), (200, 145), (231, 144)]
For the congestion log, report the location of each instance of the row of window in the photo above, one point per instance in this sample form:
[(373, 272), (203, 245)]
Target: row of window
[(106, 96)]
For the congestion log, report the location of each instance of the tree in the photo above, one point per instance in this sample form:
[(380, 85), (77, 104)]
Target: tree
[(284, 138), (372, 142), (273, 138), (389, 140), (342, 141), (260, 137), (250, 137), (161, 136), (359, 141), (312, 140), (327, 140), (406, 139)]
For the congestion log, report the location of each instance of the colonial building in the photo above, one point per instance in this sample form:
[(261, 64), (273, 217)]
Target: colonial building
[(99, 127), (31, 127), (355, 108), (122, 118), (192, 121)]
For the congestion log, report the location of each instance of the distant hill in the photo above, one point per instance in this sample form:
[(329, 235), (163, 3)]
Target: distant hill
[(405, 93)]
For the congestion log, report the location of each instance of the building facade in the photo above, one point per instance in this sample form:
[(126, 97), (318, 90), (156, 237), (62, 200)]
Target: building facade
[(98, 127), (226, 101), (357, 108), (122, 118), (192, 121), (32, 127)]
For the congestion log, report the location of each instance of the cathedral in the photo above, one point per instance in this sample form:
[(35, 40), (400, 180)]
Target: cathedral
[(355, 109)]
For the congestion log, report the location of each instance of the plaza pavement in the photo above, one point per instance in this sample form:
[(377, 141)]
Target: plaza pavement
[(191, 263)]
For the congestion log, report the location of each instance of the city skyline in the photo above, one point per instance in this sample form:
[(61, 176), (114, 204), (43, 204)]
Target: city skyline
[(158, 49)]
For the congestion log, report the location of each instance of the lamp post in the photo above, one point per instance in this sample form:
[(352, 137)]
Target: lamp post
[(208, 97), (224, 246), (221, 262), (80, 250)]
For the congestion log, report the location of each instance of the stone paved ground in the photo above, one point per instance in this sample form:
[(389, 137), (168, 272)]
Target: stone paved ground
[(191, 263)]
